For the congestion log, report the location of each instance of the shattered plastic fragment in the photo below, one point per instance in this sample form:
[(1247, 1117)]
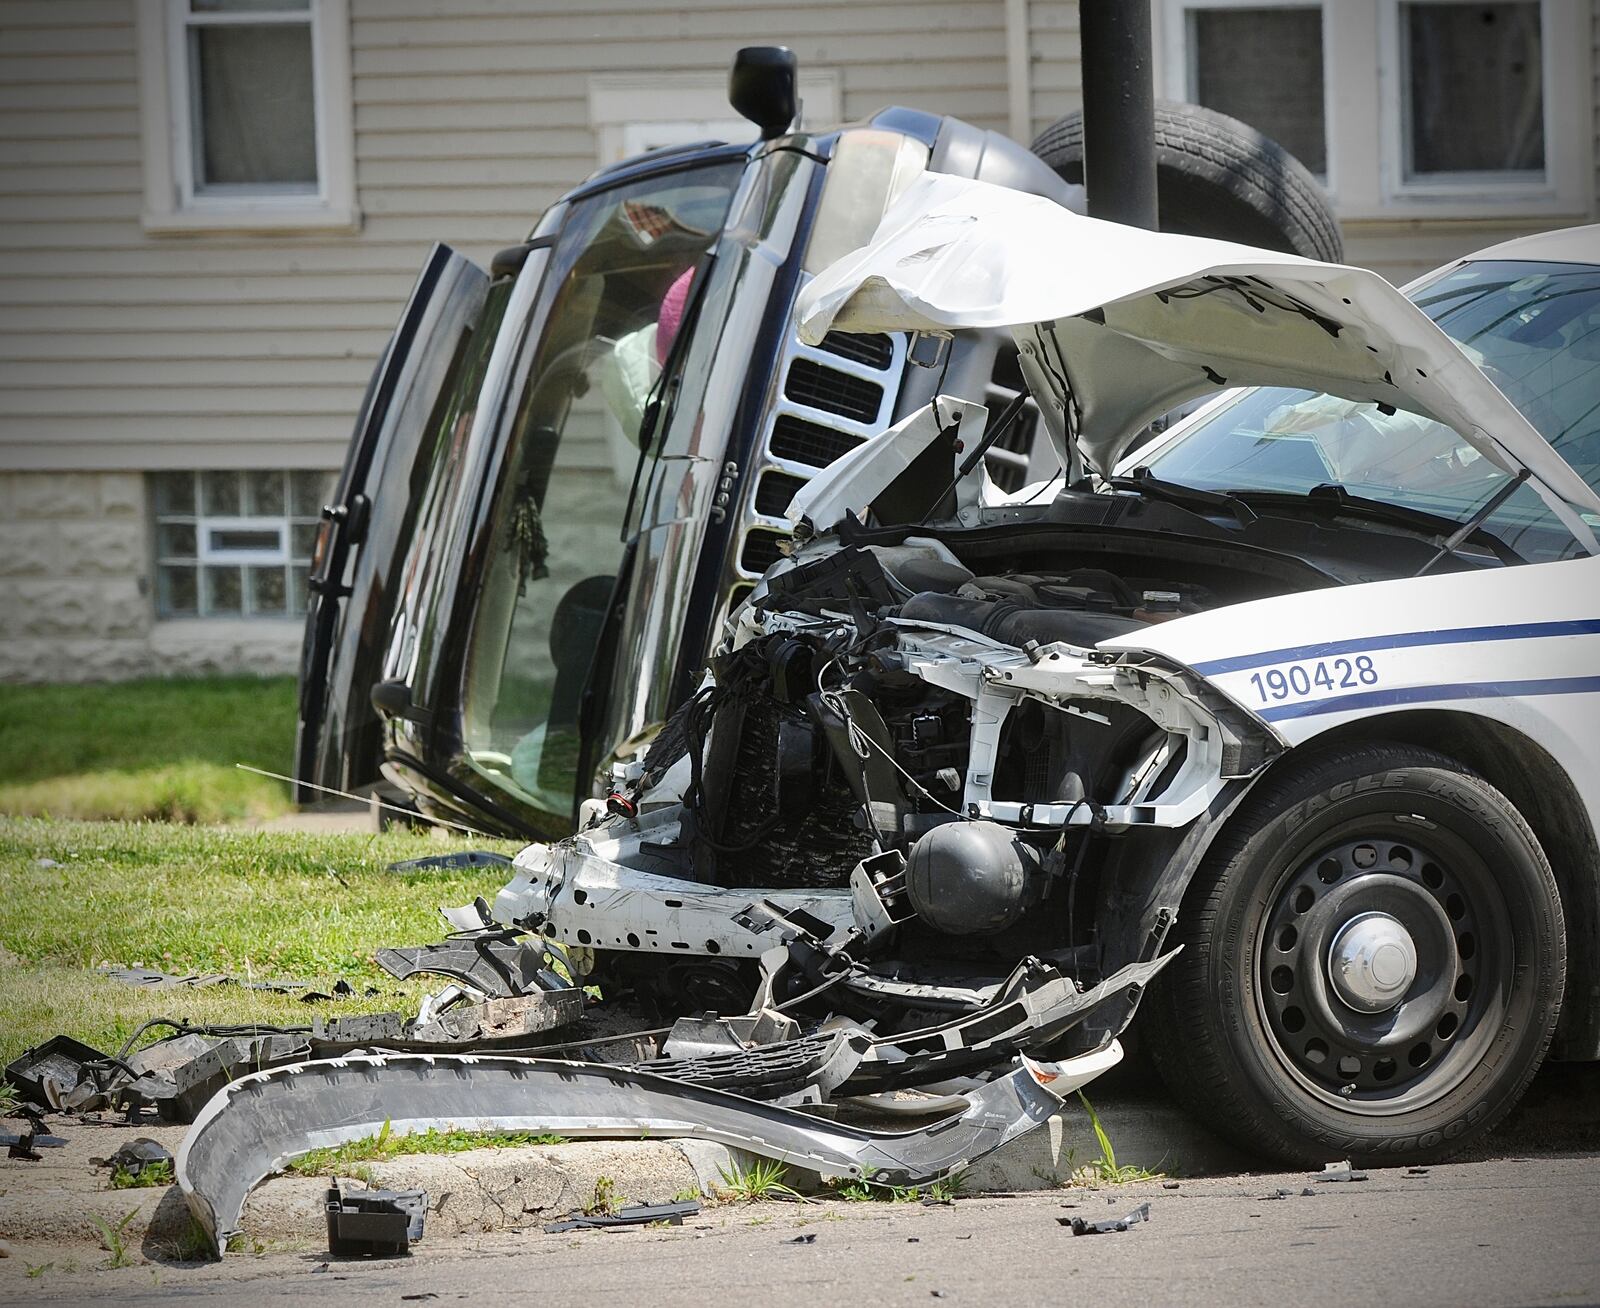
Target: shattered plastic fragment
[(633, 1215), (1082, 1226), (374, 1222), (135, 1156)]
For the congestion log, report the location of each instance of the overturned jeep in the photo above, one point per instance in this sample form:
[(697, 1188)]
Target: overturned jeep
[(1298, 713)]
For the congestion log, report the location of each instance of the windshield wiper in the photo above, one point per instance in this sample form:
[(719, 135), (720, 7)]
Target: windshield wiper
[(1330, 499), (1143, 482)]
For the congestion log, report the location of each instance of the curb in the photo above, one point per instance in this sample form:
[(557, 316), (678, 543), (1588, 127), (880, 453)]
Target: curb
[(486, 1190), (482, 1190)]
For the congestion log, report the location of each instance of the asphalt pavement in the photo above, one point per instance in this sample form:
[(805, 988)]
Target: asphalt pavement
[(1513, 1231)]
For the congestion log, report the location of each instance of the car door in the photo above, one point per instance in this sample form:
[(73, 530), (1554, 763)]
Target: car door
[(365, 532), (492, 650)]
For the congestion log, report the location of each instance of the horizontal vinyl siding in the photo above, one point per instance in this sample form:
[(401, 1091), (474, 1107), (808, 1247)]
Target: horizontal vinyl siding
[(1055, 68), (119, 349)]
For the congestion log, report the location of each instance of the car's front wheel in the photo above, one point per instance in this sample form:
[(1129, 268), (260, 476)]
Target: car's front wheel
[(1373, 964)]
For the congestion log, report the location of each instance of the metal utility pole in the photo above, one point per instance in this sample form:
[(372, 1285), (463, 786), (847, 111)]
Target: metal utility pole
[(1119, 132)]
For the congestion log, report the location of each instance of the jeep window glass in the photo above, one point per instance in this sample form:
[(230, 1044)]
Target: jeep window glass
[(1534, 328), (613, 302)]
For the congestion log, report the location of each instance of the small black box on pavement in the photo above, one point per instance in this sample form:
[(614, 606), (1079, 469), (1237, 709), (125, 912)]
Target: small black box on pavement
[(374, 1222)]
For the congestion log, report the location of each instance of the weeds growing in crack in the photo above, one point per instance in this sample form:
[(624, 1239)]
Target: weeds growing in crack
[(763, 1179), (606, 1200), (114, 1240), (1105, 1169)]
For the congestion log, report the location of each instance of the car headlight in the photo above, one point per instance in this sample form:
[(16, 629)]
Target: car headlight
[(867, 173)]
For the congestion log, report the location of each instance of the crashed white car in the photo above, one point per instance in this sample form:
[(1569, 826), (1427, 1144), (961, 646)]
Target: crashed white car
[(1299, 706)]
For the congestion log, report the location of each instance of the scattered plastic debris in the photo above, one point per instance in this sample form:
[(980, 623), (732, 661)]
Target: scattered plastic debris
[(1341, 1171), (465, 858), (148, 979), (1082, 1226), (374, 1223), (26, 1146), (809, 1238), (137, 1155), (633, 1215)]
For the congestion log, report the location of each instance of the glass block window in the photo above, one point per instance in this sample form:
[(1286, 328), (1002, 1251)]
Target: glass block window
[(235, 544)]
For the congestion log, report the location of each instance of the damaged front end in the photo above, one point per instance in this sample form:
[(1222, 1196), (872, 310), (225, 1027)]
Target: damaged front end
[(910, 778)]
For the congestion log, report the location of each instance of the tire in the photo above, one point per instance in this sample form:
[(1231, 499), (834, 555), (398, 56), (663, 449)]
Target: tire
[(1219, 177), (1369, 832)]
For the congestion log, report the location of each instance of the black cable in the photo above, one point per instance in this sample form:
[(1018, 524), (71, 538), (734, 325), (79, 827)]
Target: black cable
[(187, 1028), (815, 990)]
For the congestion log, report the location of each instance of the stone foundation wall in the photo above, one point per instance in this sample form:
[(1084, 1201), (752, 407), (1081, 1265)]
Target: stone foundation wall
[(75, 601)]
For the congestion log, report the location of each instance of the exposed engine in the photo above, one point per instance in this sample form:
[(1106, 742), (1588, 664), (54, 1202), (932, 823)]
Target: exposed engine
[(822, 744)]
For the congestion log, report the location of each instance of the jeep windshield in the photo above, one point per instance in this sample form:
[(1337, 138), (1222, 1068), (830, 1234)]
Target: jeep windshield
[(619, 282), (1534, 329)]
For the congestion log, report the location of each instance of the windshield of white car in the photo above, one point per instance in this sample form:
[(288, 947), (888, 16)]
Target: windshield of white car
[(1534, 328)]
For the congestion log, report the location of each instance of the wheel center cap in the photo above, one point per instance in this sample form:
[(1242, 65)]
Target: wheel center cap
[(1372, 962)]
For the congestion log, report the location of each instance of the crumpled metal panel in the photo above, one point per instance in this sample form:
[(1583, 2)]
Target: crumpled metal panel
[(495, 962), (254, 1126)]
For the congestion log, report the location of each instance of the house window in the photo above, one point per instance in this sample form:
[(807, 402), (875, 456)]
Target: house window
[(251, 97), (246, 114), (1407, 108), (235, 544), (1230, 46), (1473, 90)]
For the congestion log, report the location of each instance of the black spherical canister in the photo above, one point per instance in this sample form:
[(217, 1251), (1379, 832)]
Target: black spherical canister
[(971, 878)]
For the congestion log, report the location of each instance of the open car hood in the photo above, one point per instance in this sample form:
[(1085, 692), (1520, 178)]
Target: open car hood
[(1118, 325)]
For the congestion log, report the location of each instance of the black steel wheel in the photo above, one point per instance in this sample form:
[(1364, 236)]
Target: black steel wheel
[(1374, 962)]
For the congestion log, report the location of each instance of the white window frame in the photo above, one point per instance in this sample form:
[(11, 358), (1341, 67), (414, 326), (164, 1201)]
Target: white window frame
[(631, 111), (171, 202), (1176, 60), (1541, 190), (1363, 114), (206, 552)]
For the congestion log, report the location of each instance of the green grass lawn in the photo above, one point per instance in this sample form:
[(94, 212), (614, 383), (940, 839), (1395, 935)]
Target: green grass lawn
[(78, 895), (147, 749)]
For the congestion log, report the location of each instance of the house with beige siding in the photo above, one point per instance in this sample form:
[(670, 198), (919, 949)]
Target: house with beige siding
[(211, 212)]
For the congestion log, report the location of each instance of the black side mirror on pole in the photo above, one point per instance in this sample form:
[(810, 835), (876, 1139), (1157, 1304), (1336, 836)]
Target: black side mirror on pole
[(764, 87)]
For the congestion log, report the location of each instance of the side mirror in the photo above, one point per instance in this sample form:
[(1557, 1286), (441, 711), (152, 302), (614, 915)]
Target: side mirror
[(763, 87)]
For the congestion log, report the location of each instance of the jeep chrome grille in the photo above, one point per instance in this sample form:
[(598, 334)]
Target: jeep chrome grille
[(830, 398), (874, 349), (809, 443), (820, 386), (774, 491)]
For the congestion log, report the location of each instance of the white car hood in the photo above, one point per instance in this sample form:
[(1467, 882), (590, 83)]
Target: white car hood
[(1118, 325)]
